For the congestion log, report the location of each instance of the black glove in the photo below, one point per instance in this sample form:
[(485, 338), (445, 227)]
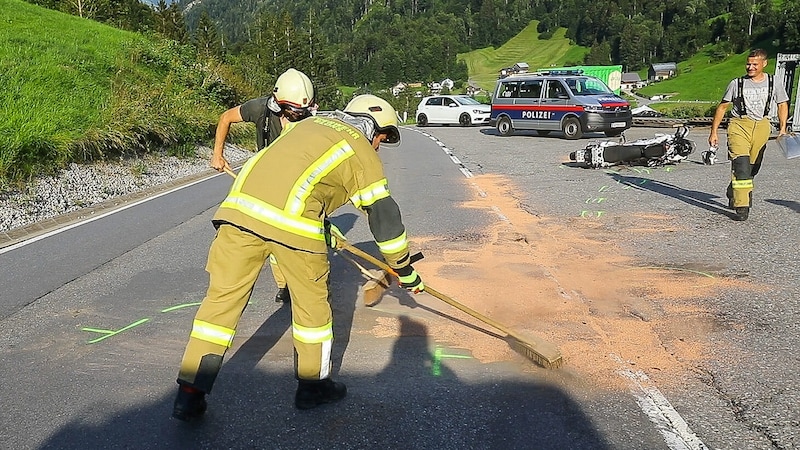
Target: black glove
[(410, 279)]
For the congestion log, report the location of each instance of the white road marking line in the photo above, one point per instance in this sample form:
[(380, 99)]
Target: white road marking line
[(676, 432), (106, 214), (654, 404)]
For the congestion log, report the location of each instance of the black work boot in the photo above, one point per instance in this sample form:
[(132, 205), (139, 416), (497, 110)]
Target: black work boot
[(283, 295), (742, 213), (311, 394), (190, 404)]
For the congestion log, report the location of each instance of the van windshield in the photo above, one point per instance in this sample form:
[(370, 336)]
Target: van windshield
[(587, 86)]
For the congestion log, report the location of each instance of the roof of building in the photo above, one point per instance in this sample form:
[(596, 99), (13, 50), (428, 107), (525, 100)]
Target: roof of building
[(631, 77), (664, 66)]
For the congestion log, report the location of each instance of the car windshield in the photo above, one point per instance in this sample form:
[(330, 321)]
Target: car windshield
[(467, 101), (587, 86)]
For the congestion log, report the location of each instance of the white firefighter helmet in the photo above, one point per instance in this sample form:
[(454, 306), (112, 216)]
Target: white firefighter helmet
[(293, 90), (380, 111)]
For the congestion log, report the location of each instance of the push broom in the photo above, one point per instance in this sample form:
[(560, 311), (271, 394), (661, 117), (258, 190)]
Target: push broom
[(535, 349)]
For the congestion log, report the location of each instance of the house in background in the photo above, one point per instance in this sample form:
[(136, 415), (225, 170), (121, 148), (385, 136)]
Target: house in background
[(398, 88), (630, 81), (520, 67), (662, 71)]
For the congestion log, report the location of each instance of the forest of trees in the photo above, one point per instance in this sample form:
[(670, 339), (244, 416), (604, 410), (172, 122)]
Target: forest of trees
[(377, 43), (389, 40)]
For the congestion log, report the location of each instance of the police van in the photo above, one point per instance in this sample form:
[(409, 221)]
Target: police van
[(566, 101)]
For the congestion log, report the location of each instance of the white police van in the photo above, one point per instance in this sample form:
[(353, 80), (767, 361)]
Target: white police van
[(566, 101)]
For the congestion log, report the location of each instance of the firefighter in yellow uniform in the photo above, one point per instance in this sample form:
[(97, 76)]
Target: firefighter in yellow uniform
[(266, 113), (325, 162), (749, 128)]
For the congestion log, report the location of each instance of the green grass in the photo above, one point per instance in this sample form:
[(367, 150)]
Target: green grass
[(55, 73), (74, 90), (701, 78), (483, 65), (700, 83)]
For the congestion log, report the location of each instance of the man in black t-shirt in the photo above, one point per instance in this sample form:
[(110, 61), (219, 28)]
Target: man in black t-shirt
[(269, 118)]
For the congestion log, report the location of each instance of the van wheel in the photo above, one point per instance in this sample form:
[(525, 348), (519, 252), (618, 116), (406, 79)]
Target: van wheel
[(504, 126), (465, 120), (542, 132), (422, 120), (572, 128)]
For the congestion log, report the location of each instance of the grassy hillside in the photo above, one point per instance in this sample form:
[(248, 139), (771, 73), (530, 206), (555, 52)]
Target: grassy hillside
[(73, 89), (701, 78), (483, 65)]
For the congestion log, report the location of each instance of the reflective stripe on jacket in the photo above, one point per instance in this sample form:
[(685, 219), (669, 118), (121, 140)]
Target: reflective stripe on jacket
[(314, 167)]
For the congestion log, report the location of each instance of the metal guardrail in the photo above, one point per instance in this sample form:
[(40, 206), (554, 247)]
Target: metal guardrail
[(667, 122)]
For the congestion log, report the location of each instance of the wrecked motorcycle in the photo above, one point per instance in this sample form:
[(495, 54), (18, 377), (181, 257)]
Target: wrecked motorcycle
[(657, 151)]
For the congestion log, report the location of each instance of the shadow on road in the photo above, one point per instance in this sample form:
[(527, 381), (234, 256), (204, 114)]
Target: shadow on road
[(697, 199), (414, 400), (791, 204)]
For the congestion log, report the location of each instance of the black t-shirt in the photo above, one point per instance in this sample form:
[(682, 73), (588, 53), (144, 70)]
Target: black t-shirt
[(268, 124)]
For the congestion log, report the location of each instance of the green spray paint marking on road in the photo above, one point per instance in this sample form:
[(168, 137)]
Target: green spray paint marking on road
[(438, 355), (185, 305), (109, 333)]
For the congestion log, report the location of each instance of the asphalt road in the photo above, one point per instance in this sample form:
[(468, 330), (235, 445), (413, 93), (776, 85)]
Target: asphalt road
[(759, 387), (94, 321)]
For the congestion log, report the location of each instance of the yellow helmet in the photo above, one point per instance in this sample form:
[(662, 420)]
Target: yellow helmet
[(380, 111), (294, 89)]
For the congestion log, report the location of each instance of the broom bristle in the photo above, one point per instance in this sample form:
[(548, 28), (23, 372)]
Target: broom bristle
[(373, 289), (538, 351)]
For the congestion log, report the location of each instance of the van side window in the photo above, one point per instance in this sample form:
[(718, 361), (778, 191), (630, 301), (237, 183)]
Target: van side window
[(530, 89), (510, 90), (554, 89)]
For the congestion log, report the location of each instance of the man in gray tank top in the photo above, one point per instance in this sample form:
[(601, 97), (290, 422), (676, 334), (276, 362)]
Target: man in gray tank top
[(749, 128)]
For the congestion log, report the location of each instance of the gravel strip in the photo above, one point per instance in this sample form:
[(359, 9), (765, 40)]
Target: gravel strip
[(84, 185)]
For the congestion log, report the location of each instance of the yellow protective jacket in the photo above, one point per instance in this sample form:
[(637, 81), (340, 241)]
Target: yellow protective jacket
[(315, 166)]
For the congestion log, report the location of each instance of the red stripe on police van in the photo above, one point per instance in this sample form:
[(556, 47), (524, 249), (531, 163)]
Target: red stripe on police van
[(539, 108)]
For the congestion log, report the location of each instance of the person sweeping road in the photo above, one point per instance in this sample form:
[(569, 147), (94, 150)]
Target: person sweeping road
[(325, 162)]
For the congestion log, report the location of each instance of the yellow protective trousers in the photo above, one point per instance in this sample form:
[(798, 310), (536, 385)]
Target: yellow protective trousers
[(234, 262), (280, 280), (747, 139)]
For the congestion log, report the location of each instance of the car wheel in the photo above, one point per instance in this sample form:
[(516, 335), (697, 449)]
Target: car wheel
[(504, 126), (572, 128), (422, 120), (465, 120), (612, 133), (542, 132)]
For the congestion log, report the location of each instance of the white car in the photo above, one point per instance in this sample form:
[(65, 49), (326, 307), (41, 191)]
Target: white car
[(452, 109)]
